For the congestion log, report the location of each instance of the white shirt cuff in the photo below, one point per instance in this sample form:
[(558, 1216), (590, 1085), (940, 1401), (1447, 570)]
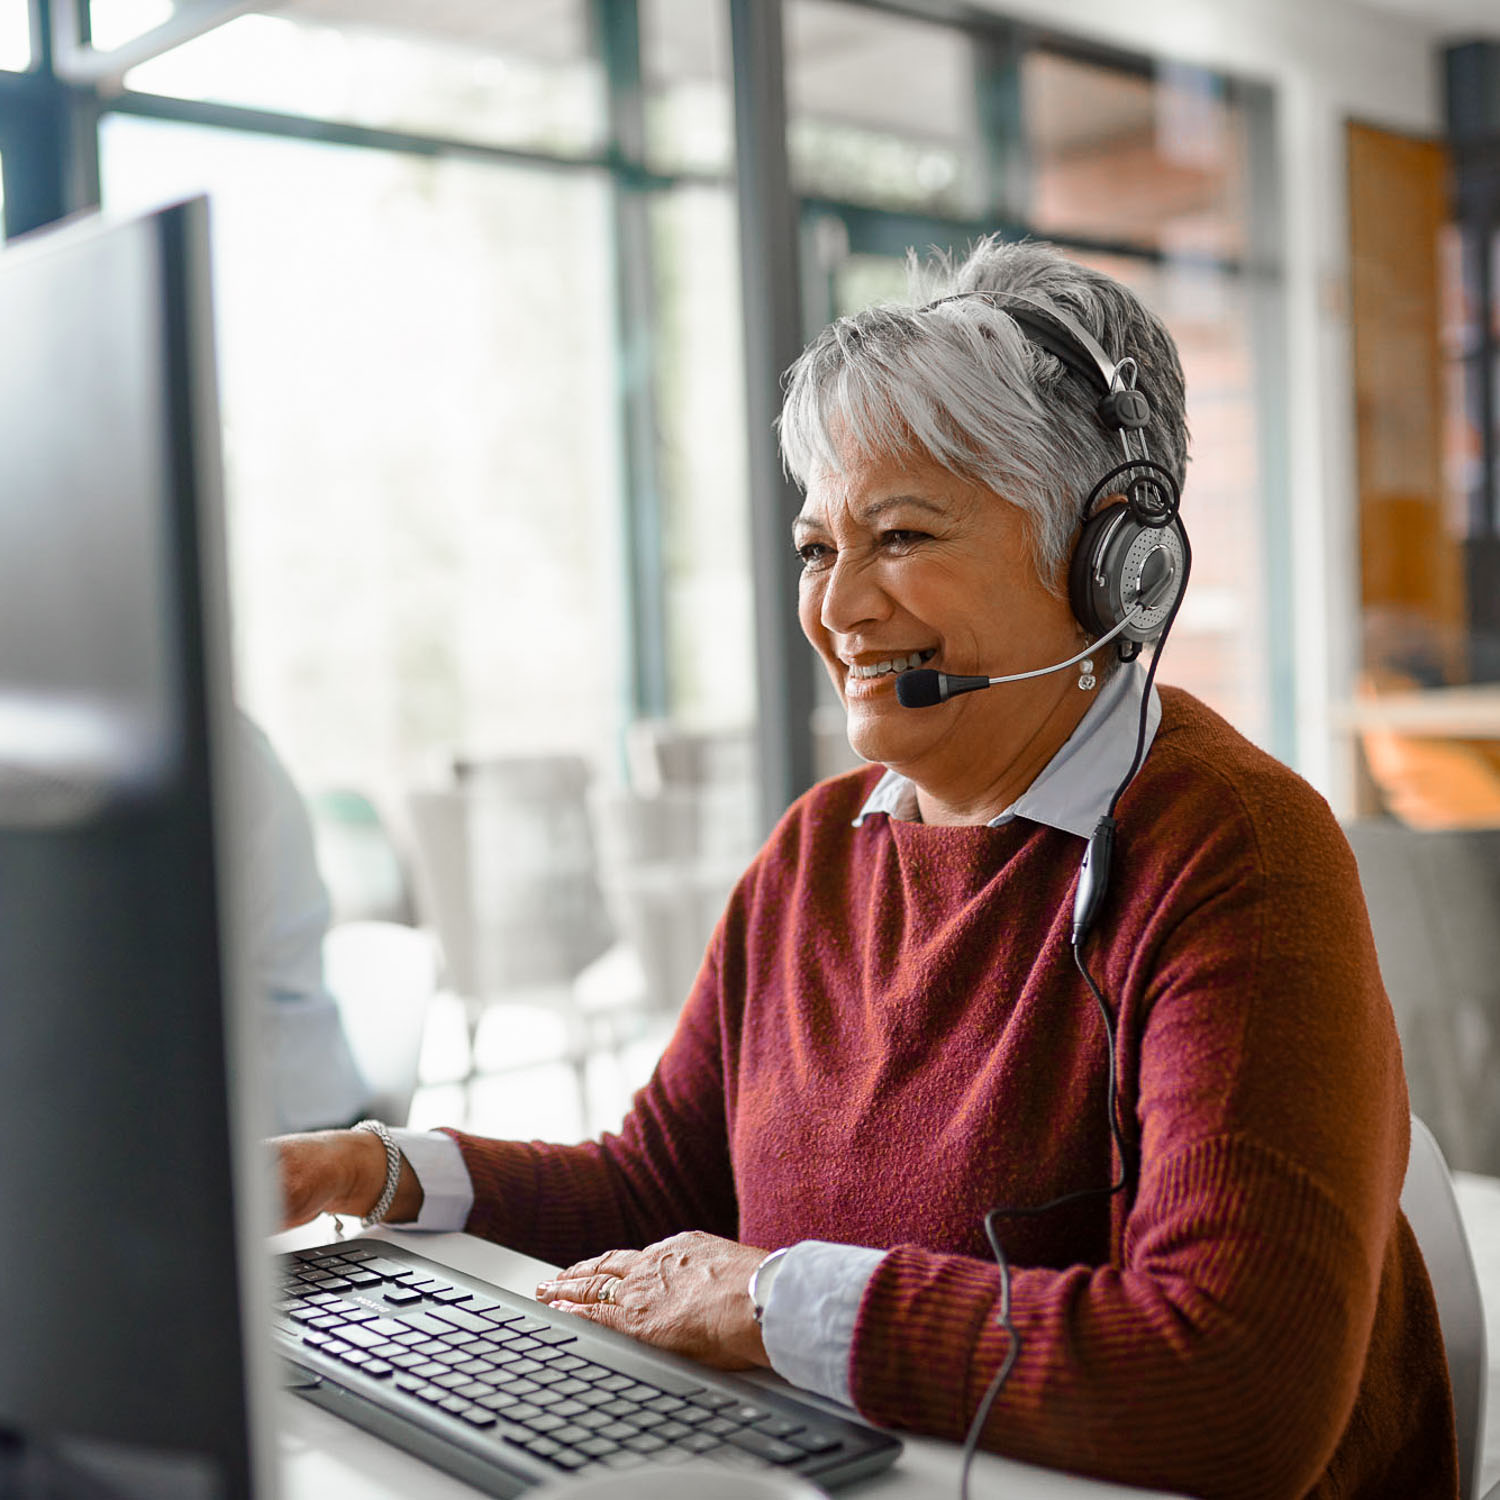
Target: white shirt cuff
[(808, 1325), (447, 1188)]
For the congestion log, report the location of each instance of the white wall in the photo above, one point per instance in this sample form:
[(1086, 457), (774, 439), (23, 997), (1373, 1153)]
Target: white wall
[(1328, 61)]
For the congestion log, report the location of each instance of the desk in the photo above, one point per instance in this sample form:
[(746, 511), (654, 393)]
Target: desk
[(1470, 711), (324, 1457)]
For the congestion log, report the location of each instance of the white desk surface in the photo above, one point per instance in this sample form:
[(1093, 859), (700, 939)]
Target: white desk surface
[(324, 1458)]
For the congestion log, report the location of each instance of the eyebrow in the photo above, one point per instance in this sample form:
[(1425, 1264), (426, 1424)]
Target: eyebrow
[(877, 508)]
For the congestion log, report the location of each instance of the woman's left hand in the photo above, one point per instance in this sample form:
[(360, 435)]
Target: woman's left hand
[(688, 1294)]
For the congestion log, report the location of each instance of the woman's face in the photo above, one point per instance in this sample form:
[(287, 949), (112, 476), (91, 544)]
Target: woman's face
[(906, 565)]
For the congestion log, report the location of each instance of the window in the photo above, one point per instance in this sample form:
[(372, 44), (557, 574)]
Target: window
[(417, 386), (685, 68), (15, 35), (519, 75), (1155, 159), (881, 108)]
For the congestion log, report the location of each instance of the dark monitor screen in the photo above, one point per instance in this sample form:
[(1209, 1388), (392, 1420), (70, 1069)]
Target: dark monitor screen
[(131, 1261)]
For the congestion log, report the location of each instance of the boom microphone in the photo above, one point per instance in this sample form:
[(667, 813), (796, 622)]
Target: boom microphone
[(924, 688)]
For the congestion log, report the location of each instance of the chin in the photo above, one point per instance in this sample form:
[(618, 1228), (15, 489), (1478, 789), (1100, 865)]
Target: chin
[(875, 738)]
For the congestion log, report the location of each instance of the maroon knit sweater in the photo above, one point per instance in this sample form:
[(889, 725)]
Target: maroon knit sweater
[(888, 1037)]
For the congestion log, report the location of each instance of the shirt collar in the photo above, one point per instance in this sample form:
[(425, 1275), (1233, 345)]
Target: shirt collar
[(1073, 789)]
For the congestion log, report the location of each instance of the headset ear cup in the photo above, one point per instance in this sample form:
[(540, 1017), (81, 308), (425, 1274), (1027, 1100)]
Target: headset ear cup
[(1089, 597), (1109, 568)]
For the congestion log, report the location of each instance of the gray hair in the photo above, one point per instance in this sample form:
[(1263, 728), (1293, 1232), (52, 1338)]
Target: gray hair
[(959, 382)]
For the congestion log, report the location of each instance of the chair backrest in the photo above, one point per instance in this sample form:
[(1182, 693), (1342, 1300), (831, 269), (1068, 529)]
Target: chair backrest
[(382, 975), (1432, 899), (445, 898), (1431, 1208)]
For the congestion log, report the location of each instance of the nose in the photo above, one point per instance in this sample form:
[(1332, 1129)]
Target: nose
[(852, 595)]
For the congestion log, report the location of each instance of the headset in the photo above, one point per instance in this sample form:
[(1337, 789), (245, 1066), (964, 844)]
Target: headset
[(1129, 568)]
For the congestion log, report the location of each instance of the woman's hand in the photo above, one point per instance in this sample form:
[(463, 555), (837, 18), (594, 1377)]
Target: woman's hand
[(339, 1172), (688, 1294)]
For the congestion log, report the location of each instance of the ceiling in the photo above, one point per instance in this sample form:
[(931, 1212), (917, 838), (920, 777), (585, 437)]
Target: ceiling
[(1447, 20)]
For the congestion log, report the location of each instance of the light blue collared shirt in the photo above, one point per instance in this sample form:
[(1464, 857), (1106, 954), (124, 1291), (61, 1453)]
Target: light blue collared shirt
[(809, 1319)]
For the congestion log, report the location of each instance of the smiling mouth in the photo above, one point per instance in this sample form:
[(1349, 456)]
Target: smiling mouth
[(893, 666)]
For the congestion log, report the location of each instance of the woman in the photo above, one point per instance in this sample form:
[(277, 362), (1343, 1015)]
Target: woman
[(889, 1036)]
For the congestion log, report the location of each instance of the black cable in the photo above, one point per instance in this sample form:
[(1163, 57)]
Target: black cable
[(1003, 1320)]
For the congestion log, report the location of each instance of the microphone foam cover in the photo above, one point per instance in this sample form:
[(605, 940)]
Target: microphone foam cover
[(919, 689)]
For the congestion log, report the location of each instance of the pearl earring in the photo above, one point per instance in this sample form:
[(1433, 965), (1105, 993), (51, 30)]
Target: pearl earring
[(1086, 677)]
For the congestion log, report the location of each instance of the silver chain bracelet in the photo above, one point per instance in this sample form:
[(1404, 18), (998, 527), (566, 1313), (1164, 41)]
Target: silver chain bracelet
[(392, 1175)]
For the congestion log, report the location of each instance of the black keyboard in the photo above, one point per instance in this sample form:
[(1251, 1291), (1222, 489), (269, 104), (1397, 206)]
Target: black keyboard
[(505, 1393)]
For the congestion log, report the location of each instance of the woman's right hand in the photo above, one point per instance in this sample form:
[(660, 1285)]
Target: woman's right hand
[(334, 1172)]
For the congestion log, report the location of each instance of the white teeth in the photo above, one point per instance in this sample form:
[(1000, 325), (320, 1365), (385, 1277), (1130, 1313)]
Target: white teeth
[(895, 664)]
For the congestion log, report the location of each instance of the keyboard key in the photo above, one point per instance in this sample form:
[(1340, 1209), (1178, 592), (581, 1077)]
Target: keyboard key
[(745, 1412), (671, 1431), (640, 1392), (379, 1369), (593, 1420), (571, 1434), (711, 1400), (779, 1426), (569, 1409), (449, 1380), (400, 1296), (699, 1442), (544, 1447), (475, 1367), (813, 1442), (455, 1404), (645, 1443), (557, 1336), (429, 1368), (762, 1445), (568, 1460), (666, 1404), (390, 1328), (354, 1333), (477, 1416), (473, 1390), (624, 1459), (597, 1447), (434, 1328), (451, 1294), (363, 1278), (498, 1400), (459, 1318), (546, 1423), (619, 1430)]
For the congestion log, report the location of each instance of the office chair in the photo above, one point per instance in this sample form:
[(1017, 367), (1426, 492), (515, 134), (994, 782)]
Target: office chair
[(1431, 1208), (1432, 899), (508, 879)]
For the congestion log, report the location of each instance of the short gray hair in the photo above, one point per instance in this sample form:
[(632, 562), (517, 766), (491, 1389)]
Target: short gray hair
[(959, 382)]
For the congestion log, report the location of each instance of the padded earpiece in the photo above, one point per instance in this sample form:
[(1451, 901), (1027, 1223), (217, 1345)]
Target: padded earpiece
[(1119, 563)]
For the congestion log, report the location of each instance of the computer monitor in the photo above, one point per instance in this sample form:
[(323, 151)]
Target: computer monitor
[(133, 1190)]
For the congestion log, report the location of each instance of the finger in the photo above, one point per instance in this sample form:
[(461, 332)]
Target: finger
[(616, 1261), (602, 1288), (606, 1314)]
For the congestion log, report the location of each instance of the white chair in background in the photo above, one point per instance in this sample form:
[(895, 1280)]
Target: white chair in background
[(1429, 1203), (382, 975), (507, 876)]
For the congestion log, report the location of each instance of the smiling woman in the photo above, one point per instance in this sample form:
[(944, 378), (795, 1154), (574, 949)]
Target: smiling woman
[(890, 1149)]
